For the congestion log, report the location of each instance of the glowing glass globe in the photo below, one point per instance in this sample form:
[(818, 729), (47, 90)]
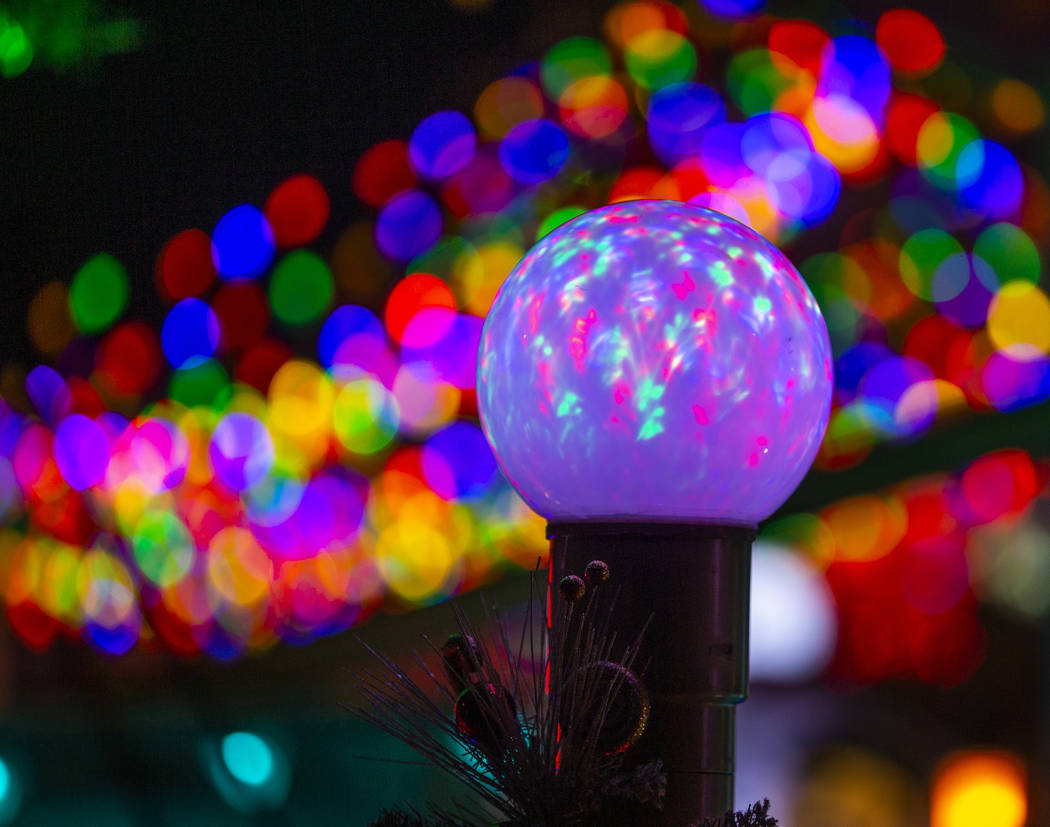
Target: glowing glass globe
[(654, 361)]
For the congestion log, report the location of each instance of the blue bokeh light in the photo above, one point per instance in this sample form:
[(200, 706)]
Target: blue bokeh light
[(678, 114), (242, 243), (534, 151), (190, 334), (409, 224), (442, 144)]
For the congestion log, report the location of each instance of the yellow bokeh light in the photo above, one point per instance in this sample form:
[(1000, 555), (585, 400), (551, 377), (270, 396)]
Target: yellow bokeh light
[(979, 789), (48, 321), (301, 397), (1020, 316), (1017, 106), (477, 274), (505, 103), (239, 571), (865, 527), (416, 560), (58, 592)]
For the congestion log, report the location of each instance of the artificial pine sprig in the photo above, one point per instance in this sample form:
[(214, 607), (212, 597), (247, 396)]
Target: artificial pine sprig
[(529, 732), (757, 815)]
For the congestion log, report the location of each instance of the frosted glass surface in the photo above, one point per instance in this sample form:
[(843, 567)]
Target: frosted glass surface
[(654, 360)]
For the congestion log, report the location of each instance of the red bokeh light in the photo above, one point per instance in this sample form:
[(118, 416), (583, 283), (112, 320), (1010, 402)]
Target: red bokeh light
[(297, 210), (243, 314), (382, 172), (904, 118), (799, 41), (83, 398), (926, 342), (410, 295), (128, 359), (260, 362), (185, 266), (911, 41)]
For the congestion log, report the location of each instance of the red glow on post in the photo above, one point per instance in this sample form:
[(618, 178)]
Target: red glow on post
[(911, 41), (382, 172), (185, 266), (297, 210)]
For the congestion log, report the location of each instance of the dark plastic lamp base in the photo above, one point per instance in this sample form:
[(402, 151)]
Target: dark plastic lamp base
[(693, 581)]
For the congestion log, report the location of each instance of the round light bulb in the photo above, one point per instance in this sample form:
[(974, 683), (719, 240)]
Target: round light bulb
[(654, 361)]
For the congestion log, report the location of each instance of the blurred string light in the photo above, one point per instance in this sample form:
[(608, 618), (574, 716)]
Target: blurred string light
[(979, 789), (297, 445), (905, 567), (61, 35), (250, 771), (792, 616), (10, 793)]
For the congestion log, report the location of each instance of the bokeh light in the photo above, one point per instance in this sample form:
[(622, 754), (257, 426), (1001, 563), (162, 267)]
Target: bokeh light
[(242, 243), (98, 294), (277, 454), (979, 788)]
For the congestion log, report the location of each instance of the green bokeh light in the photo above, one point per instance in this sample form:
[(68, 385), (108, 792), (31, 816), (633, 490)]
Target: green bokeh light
[(99, 293), (1011, 253), (754, 81), (659, 58), (557, 218), (831, 277), (16, 52), (569, 61), (941, 141), (206, 384), (300, 288), (163, 548), (920, 257)]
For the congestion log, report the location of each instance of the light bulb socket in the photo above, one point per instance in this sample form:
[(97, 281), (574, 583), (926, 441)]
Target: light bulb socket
[(691, 583)]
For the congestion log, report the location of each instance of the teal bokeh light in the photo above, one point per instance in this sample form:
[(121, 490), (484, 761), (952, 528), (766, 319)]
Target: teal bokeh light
[(248, 758)]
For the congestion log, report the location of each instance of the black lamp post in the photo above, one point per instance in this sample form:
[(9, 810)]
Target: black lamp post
[(691, 584)]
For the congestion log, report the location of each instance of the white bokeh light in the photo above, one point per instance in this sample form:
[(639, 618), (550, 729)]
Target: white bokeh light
[(793, 623)]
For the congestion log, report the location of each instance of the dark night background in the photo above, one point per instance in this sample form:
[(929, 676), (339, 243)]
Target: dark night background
[(225, 99)]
